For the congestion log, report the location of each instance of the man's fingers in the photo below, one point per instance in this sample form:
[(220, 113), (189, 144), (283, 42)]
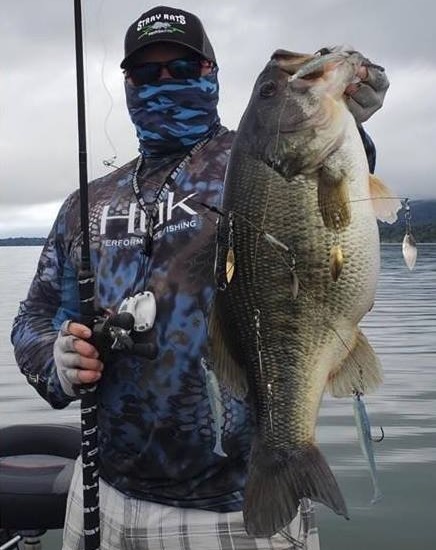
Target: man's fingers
[(78, 376), (87, 363), (365, 97), (75, 358), (85, 349), (75, 345), (74, 339), (79, 330), (362, 72), (376, 78), (66, 343), (87, 376), (74, 361)]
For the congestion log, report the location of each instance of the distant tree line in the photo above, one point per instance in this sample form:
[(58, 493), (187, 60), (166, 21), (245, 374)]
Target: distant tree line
[(22, 241), (425, 233), (423, 223)]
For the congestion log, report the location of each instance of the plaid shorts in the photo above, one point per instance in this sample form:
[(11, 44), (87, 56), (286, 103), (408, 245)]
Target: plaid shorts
[(130, 524)]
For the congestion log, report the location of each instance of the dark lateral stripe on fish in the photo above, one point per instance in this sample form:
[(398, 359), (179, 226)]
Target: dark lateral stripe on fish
[(279, 479)]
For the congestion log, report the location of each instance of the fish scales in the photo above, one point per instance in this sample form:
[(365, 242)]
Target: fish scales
[(289, 348), (281, 316)]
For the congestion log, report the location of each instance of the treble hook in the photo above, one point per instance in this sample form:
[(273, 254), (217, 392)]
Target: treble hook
[(377, 440)]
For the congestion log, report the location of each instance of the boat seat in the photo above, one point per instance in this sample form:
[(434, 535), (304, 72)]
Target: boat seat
[(36, 466)]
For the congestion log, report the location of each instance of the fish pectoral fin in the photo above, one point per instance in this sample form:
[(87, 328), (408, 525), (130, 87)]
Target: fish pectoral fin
[(229, 373), (385, 204), (333, 198), (360, 371)]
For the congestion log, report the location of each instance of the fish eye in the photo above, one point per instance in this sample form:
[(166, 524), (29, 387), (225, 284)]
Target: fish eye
[(268, 89)]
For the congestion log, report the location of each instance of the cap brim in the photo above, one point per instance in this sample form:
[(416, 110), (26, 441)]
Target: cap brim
[(125, 61)]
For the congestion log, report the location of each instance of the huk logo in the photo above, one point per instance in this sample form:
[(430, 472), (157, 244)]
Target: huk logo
[(161, 22), (134, 224)]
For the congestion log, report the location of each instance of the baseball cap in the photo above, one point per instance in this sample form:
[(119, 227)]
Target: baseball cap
[(164, 24)]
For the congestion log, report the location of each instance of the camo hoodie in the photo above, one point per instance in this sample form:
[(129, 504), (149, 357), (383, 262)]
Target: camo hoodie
[(156, 427)]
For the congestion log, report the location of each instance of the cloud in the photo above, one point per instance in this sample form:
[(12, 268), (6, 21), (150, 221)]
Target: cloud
[(28, 221), (405, 132), (38, 134)]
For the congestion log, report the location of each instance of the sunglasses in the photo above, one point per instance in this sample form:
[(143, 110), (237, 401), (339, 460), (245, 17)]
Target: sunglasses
[(178, 68)]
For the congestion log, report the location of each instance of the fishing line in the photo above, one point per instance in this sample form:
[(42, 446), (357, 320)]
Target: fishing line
[(274, 243), (307, 294), (285, 100), (130, 172), (106, 162), (261, 232), (89, 136), (282, 258), (296, 544), (262, 229), (376, 198)]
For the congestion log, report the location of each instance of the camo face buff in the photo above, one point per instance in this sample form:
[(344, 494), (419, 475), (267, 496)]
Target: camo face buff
[(173, 114)]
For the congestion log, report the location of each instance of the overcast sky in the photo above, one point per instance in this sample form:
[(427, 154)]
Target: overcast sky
[(38, 134)]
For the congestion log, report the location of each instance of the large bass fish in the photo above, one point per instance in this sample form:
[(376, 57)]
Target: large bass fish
[(297, 266)]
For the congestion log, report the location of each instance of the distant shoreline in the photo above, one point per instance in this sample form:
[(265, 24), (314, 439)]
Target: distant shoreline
[(40, 241), (23, 241), (423, 213)]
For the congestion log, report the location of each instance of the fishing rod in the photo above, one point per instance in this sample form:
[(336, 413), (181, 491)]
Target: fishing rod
[(108, 333), (88, 394)]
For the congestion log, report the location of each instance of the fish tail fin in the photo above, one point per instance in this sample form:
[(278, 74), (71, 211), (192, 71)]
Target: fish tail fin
[(279, 479)]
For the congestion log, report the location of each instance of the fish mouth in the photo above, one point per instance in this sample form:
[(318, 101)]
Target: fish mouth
[(290, 62), (311, 67)]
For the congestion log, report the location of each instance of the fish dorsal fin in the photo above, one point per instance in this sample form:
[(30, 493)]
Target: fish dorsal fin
[(229, 373), (360, 371), (385, 204)]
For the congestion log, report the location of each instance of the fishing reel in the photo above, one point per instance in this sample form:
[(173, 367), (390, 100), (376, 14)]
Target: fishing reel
[(115, 334)]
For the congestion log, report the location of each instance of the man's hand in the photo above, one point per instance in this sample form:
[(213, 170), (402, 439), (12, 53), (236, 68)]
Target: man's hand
[(365, 97), (76, 359)]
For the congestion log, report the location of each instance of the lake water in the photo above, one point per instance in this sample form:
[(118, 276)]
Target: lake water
[(402, 329)]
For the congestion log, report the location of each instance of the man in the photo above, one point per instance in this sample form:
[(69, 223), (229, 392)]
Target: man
[(171, 475)]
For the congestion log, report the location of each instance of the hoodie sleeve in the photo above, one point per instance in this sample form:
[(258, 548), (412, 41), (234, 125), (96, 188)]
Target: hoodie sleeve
[(52, 298), (369, 146)]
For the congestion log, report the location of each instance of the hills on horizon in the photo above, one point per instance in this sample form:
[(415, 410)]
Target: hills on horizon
[(22, 241), (423, 223), (423, 227)]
